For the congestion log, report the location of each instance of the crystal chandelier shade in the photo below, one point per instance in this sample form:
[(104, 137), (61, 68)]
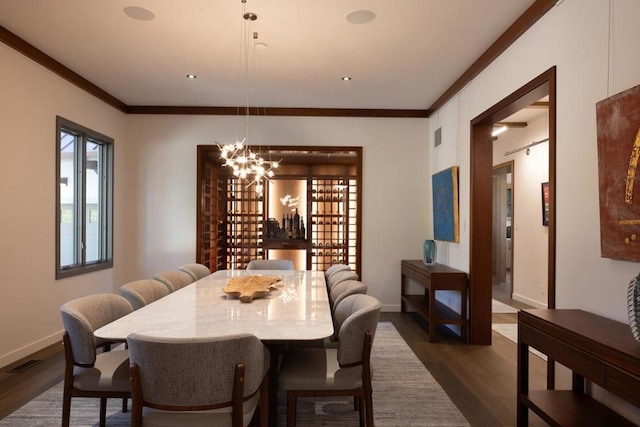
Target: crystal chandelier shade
[(247, 165)]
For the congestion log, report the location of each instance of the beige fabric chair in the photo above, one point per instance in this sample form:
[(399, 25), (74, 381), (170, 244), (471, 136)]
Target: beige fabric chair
[(174, 279), (219, 381), (334, 269), (196, 271), (142, 292), (341, 276), (341, 371), (270, 264), (343, 289), (88, 373)]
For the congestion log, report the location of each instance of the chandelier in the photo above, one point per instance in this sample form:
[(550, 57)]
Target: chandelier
[(247, 165)]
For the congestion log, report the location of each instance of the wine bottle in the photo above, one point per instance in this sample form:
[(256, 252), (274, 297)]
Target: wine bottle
[(296, 225), (303, 232)]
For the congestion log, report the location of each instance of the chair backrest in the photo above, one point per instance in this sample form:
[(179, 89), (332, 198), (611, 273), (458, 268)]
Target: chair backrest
[(341, 276), (196, 271), (355, 315), (270, 264), (196, 371), (82, 316), (345, 288), (174, 279), (142, 292), (334, 269)]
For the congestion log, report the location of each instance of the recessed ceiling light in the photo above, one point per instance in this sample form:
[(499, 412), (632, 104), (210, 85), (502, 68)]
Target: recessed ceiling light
[(191, 76), (345, 78), (361, 16), (138, 13)]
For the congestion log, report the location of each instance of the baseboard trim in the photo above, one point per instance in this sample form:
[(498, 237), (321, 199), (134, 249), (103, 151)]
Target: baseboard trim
[(26, 351), (528, 301)]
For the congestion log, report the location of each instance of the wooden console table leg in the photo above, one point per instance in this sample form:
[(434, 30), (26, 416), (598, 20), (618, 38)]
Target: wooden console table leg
[(403, 306), (463, 315), (432, 314), (523, 383)]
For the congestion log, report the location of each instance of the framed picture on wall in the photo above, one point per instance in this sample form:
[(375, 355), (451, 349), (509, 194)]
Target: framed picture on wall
[(618, 124), (445, 205), (545, 204)]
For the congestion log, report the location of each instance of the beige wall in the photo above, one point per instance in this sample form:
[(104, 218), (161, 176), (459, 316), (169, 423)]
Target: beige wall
[(395, 200), (155, 194), (30, 99), (574, 37), (593, 45)]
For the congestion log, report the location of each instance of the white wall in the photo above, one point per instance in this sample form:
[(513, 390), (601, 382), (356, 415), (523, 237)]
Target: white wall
[(530, 238), (30, 99), (395, 200), (155, 194), (596, 56), (574, 36)]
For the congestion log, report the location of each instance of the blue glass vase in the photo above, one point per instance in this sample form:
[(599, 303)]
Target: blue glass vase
[(429, 252)]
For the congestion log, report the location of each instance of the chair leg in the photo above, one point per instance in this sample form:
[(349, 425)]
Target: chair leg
[(356, 403), (125, 407), (368, 401), (264, 402), (361, 411), (103, 411), (66, 408), (291, 408)]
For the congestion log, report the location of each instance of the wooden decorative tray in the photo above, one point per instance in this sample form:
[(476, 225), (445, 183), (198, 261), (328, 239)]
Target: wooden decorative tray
[(249, 287)]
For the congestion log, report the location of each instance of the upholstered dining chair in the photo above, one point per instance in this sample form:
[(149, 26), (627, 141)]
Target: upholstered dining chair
[(195, 270), (174, 279), (88, 373), (142, 292), (334, 269), (219, 381), (341, 371), (270, 264), (341, 276), (345, 288)]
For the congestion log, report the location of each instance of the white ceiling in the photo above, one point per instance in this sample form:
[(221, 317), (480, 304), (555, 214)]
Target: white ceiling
[(404, 59)]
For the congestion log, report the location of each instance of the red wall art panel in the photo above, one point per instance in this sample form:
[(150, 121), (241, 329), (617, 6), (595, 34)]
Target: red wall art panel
[(618, 122)]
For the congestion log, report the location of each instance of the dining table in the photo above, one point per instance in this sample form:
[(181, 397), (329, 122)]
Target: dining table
[(295, 310)]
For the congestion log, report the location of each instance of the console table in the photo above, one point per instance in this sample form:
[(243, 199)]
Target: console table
[(594, 348), (434, 278)]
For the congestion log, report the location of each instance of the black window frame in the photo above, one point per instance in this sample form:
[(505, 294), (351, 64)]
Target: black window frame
[(105, 256)]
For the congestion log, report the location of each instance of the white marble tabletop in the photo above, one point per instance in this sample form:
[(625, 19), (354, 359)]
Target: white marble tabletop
[(298, 309)]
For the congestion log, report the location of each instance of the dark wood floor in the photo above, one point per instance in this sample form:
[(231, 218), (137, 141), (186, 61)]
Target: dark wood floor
[(480, 380)]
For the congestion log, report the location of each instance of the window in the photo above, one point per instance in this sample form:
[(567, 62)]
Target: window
[(84, 200)]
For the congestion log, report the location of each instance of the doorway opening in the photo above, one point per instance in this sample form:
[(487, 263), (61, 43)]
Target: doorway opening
[(503, 220), (481, 211)]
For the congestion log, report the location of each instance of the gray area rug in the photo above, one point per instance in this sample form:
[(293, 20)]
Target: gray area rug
[(404, 394)]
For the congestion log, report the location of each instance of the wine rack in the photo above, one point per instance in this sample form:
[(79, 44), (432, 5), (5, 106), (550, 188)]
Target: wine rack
[(245, 218), (332, 204), (235, 225), (212, 248)]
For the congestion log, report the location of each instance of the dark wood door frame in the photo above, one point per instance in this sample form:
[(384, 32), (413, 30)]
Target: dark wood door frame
[(481, 155)]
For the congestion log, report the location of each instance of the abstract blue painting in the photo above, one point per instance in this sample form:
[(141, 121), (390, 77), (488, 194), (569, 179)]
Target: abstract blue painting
[(445, 205)]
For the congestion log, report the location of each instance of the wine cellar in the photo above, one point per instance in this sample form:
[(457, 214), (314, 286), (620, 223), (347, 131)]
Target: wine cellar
[(309, 211)]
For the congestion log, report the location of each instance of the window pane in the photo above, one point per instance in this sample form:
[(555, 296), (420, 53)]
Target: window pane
[(93, 198), (84, 198), (68, 208)]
